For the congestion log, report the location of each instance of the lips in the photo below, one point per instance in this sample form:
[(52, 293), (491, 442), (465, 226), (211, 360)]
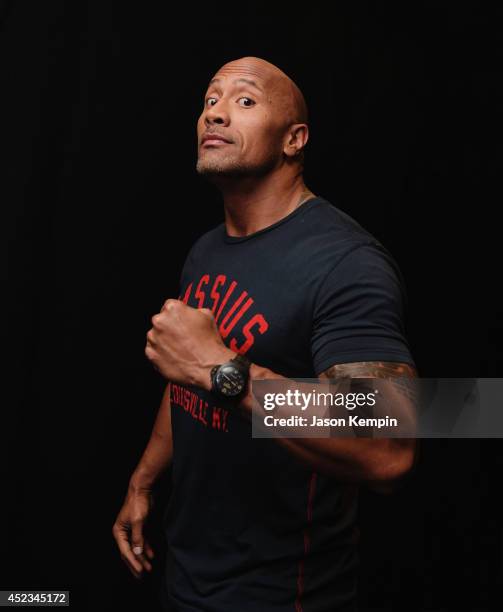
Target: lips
[(214, 139)]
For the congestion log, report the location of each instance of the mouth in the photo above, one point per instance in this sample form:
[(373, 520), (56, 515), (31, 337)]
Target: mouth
[(214, 140)]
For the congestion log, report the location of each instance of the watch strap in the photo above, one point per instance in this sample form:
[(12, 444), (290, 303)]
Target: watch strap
[(242, 362)]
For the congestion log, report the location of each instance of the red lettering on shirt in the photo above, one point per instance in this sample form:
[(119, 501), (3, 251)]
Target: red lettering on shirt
[(187, 294), (215, 295), (200, 295), (186, 400), (219, 420), (203, 407), (239, 303), (263, 326), (195, 406), (225, 330), (226, 297)]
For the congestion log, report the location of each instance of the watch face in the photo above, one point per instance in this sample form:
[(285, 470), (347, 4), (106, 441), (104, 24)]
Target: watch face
[(229, 380)]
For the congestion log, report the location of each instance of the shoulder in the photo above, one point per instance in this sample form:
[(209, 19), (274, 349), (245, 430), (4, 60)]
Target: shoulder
[(326, 214), (335, 240), (325, 217)]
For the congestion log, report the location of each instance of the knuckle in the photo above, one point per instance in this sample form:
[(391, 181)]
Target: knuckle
[(170, 303), (158, 319)]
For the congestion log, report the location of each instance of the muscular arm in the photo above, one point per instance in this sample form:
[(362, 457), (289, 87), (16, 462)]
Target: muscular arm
[(128, 529), (159, 450), (185, 344), (350, 460)]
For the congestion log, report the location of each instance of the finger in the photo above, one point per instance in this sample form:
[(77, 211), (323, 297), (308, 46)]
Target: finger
[(137, 543), (150, 354), (136, 574), (143, 560), (149, 550), (169, 304), (127, 554)]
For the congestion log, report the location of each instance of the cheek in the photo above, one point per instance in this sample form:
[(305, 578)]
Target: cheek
[(260, 138)]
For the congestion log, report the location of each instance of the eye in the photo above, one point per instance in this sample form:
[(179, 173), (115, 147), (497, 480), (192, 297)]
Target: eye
[(208, 101), (245, 99)]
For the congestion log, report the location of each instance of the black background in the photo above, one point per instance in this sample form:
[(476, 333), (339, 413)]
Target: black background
[(100, 203)]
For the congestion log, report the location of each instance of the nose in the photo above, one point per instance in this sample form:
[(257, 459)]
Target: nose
[(216, 114)]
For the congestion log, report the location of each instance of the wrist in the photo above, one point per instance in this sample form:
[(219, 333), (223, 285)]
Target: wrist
[(141, 483), (218, 357), (258, 372), (247, 401)]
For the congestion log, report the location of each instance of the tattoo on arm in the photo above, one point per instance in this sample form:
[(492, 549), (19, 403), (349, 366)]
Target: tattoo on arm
[(377, 369)]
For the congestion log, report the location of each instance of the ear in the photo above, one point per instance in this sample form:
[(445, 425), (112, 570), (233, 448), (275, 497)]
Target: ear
[(296, 139)]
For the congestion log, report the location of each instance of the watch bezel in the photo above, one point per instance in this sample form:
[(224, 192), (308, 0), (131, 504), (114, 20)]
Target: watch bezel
[(238, 367)]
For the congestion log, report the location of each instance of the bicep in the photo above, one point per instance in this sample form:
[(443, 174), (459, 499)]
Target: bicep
[(400, 372), (402, 386), (369, 369)]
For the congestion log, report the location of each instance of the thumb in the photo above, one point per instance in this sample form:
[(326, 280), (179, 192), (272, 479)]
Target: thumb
[(137, 537)]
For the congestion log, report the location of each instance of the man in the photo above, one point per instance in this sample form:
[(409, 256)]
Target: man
[(298, 289)]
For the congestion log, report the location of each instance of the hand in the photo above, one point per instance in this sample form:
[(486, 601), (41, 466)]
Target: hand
[(128, 532), (184, 344)]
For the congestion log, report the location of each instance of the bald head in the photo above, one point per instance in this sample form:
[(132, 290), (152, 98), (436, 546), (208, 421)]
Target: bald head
[(283, 93), (260, 115)]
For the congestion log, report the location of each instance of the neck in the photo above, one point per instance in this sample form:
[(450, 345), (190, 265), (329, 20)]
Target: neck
[(255, 203)]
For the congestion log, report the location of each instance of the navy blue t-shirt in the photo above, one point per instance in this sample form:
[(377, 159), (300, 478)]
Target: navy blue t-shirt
[(249, 527)]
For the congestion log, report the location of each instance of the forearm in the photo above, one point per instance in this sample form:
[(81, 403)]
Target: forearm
[(353, 460), (347, 459), (158, 453)]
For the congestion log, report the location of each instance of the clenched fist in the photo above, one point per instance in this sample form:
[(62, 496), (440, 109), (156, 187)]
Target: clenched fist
[(184, 344)]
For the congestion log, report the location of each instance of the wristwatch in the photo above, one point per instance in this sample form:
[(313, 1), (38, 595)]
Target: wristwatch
[(230, 379)]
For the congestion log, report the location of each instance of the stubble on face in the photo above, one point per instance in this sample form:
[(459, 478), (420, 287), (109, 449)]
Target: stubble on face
[(285, 103), (229, 165), (233, 166)]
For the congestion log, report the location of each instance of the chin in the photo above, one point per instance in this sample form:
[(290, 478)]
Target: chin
[(222, 167), (231, 168)]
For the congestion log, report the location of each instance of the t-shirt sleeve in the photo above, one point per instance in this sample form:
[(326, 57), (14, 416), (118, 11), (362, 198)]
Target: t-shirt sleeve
[(359, 311)]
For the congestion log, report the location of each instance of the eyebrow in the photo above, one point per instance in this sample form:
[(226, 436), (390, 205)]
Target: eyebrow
[(241, 80)]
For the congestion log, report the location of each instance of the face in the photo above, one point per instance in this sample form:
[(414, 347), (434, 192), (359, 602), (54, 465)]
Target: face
[(241, 130)]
